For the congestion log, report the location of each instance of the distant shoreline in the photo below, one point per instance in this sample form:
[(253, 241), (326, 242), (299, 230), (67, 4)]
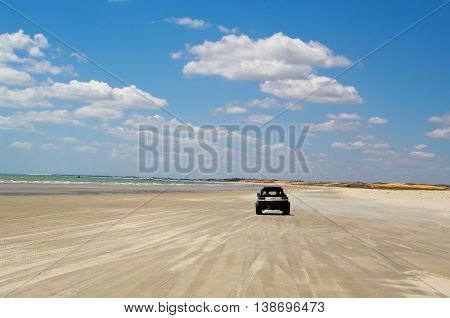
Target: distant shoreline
[(358, 185), (133, 180)]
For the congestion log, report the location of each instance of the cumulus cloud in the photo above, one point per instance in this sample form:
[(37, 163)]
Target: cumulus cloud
[(17, 98), (317, 89), (377, 120), (286, 66), (85, 149), (25, 120), (336, 125), (111, 105), (22, 145), (11, 76), (366, 137), (226, 30), (264, 103), (32, 61), (46, 67), (420, 146), (103, 101), (81, 58), (349, 145), (11, 42), (444, 130), (422, 154), (444, 119), (359, 144), (238, 57), (188, 22), (440, 133), (176, 55), (259, 118), (121, 151), (345, 116), (267, 102), (230, 109), (102, 113), (49, 146), (9, 123), (380, 145), (69, 140)]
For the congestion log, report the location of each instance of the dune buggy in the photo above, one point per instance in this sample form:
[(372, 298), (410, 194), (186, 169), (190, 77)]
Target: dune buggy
[(272, 198)]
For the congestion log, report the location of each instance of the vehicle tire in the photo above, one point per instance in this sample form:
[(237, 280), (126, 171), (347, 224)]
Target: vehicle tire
[(258, 210), (287, 209)]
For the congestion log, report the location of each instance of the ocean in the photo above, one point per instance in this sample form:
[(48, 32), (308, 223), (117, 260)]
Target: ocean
[(85, 179)]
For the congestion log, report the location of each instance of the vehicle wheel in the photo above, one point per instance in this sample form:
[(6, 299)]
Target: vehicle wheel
[(258, 210), (287, 210)]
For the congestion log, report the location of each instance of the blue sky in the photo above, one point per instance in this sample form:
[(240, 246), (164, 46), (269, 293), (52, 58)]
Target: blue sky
[(387, 119)]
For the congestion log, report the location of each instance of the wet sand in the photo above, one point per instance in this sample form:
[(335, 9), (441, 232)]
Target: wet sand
[(135, 241)]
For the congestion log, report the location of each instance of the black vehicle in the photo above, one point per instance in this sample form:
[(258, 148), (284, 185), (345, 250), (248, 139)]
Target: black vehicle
[(272, 198)]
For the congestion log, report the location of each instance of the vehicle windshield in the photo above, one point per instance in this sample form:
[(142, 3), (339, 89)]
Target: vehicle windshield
[(271, 192)]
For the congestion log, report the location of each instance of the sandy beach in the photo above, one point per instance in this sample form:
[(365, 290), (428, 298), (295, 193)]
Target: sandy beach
[(189, 241)]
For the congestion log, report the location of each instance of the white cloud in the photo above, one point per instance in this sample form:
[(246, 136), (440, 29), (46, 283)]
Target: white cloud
[(345, 116), (11, 45), (422, 154), (444, 130), (119, 131), (121, 151), (129, 128), (366, 137), (336, 125), (10, 42), (137, 120), (259, 118), (227, 30), (188, 22), (25, 120), (440, 133), (368, 148), (230, 109), (380, 145), (9, 123), (102, 113), (60, 116), (11, 76), (22, 145), (81, 58), (85, 149), (176, 55), (16, 98), (275, 57), (420, 146), (285, 65), (69, 140), (349, 145), (318, 89), (377, 120), (46, 67), (118, 100), (103, 101), (267, 102), (49, 146), (97, 99), (444, 119)]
